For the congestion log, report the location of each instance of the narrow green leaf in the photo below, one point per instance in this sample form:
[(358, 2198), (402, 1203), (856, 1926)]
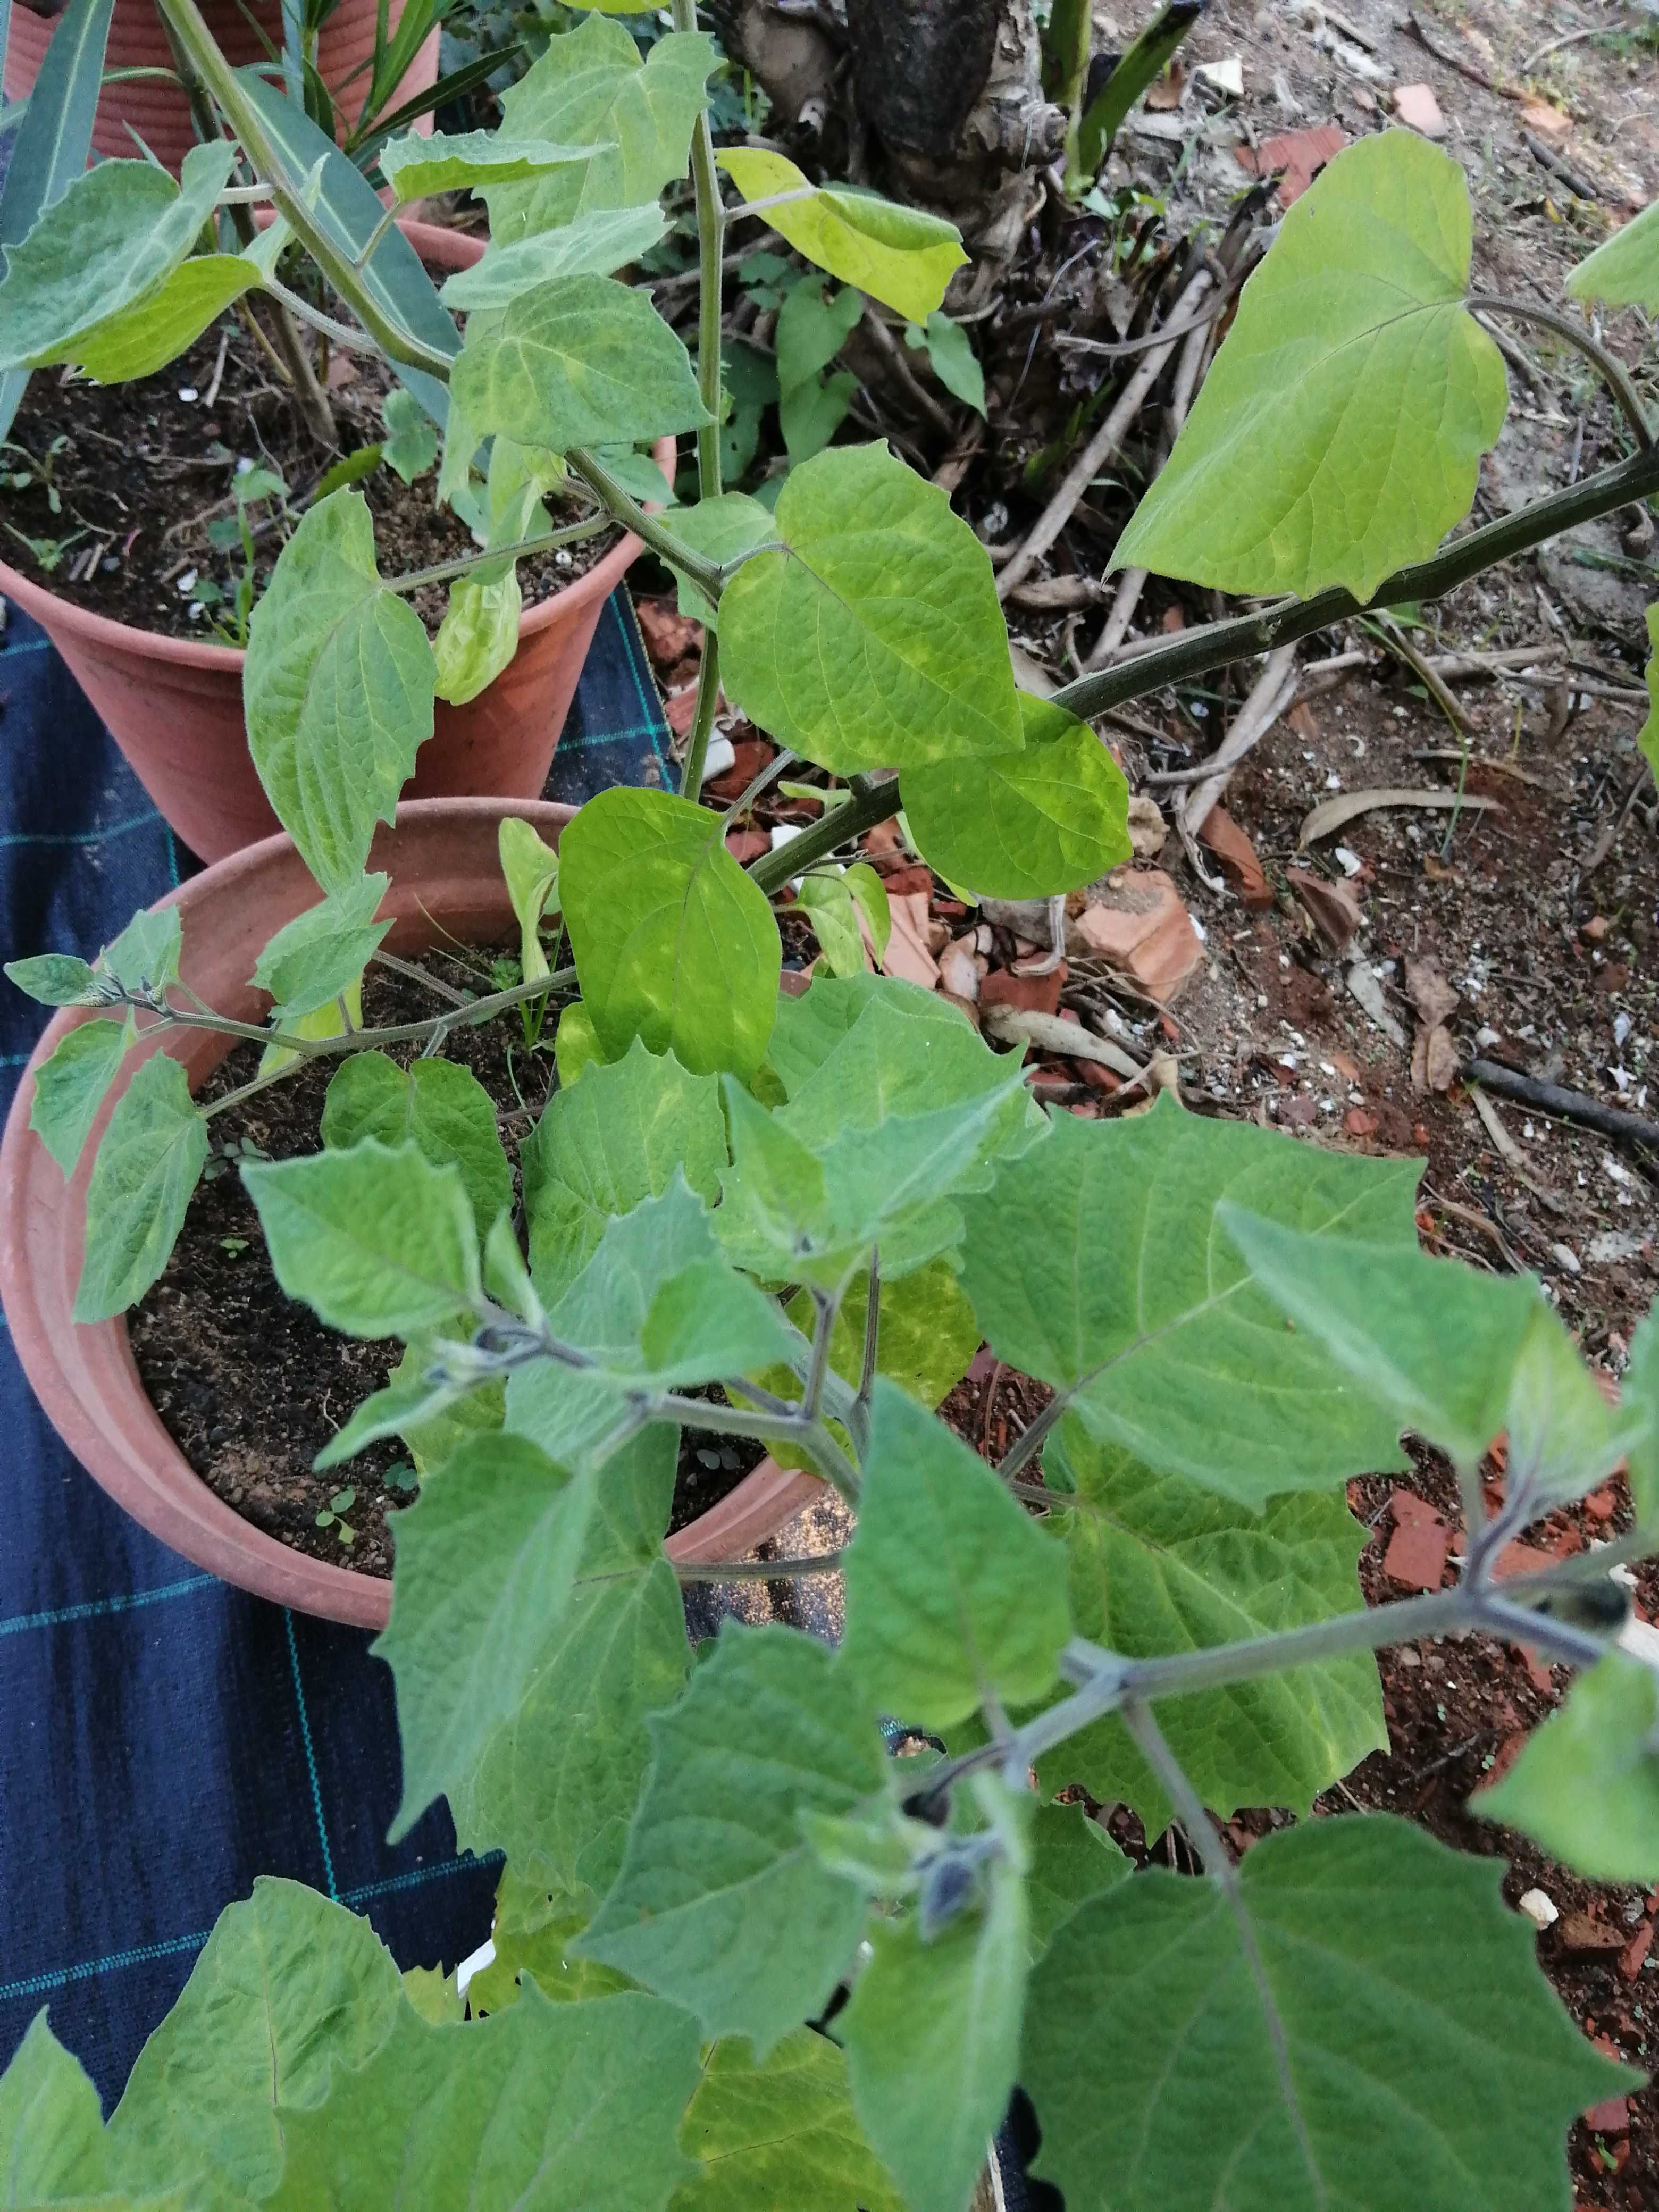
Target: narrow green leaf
[(70, 1087), (530, 869), (52, 2126), (338, 688), (149, 1162), (721, 1903), (1338, 435), (1388, 2041), (897, 254), (951, 354), (1640, 1388), (673, 942), (379, 1242), (869, 896), (596, 244), (322, 953), (1073, 1860), (442, 162), (435, 1104), (874, 639), (1586, 1785), (1624, 271), (827, 903), (780, 2130), (54, 979)]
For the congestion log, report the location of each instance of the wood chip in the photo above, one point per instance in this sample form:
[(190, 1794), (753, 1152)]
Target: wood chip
[(1332, 813), (1052, 1033)]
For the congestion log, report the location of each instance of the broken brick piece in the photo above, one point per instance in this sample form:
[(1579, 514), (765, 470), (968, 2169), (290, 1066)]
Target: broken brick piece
[(1031, 994), (1416, 1557)]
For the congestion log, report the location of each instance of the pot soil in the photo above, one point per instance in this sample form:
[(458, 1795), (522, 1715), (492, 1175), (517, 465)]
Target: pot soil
[(247, 31), (173, 704), (446, 886)]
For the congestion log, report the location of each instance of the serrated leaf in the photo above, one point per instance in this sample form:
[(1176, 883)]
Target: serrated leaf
[(1586, 1785), (1098, 1265), (951, 354), (477, 637), (1028, 825), (290, 1992), (148, 1161), (673, 942), (1429, 2066), (54, 979), (809, 1028), (1339, 433), (378, 1242), (1159, 1565), (1624, 271), (435, 1104), (606, 1144), (780, 2130), (532, 1935), (338, 688), (416, 166), (52, 2126), (721, 1903), (530, 869), (1431, 1339), (579, 361), (896, 255), (555, 1784), (1073, 1860), (874, 639), (321, 953), (955, 1597), (591, 88), (596, 244), (144, 958), (721, 529), (546, 2107), (432, 1992), (70, 1087)]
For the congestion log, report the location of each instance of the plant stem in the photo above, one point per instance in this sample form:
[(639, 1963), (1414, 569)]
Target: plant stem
[(338, 333), (758, 1570), (702, 721), (441, 571), (475, 1010), (711, 230), (873, 800), (811, 1437), (858, 1422), (375, 236), (1612, 371), (825, 1307), (600, 481), (780, 764)]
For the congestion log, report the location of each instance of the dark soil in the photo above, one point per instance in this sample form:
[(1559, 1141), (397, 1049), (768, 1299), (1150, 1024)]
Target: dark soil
[(250, 1384)]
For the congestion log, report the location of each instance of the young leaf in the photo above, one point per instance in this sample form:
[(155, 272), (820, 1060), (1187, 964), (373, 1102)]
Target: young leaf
[(1098, 1265), (1026, 824), (721, 1903), (379, 1242), (1386, 2039), (579, 361), (545, 2107), (1158, 1564), (144, 958), (873, 638), (290, 1993), (1073, 1860), (339, 688), (322, 953), (1563, 1438), (673, 942), (416, 166), (809, 1028), (54, 979), (896, 255), (149, 1162), (530, 869), (779, 2130), (591, 88), (1429, 1338), (949, 351), (1586, 1785), (411, 445), (1338, 435), (477, 637), (1624, 271), (596, 244), (827, 903), (436, 1104), (155, 329), (70, 1087), (955, 1597), (51, 2125), (722, 530), (441, 1414), (810, 332), (604, 1145)]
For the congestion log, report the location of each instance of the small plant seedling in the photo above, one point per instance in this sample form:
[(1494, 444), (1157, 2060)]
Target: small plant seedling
[(36, 470), (332, 1516)]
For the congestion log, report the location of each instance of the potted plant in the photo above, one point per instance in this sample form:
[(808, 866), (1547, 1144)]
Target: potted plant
[(742, 1954)]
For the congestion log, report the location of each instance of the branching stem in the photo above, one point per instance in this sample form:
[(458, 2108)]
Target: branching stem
[(1612, 371), (474, 1009)]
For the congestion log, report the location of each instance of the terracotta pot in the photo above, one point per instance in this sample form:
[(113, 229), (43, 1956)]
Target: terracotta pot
[(174, 705), (159, 113), (441, 857)]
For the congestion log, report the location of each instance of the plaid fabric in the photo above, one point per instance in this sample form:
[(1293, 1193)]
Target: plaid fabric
[(163, 1737)]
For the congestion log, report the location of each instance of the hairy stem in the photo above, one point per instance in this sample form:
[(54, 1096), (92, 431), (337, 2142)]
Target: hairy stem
[(1612, 371)]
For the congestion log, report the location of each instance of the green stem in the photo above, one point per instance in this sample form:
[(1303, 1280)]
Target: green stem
[(475, 1010), (702, 722), (758, 1570), (1612, 371), (375, 236), (873, 801), (705, 574), (711, 241), (441, 571)]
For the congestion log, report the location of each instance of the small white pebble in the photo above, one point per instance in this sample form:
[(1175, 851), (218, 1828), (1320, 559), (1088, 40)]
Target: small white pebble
[(1566, 1257), (1539, 1910), (1350, 862), (187, 583), (721, 756), (188, 392)]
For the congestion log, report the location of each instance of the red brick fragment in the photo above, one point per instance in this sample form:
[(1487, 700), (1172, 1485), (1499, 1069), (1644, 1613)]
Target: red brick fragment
[(1416, 1557)]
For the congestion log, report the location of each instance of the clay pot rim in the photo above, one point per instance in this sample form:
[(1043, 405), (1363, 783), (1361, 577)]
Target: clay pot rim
[(434, 243), (224, 1544)]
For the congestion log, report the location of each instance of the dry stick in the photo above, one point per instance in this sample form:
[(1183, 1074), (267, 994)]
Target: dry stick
[(904, 376), (1270, 694), (1566, 1105), (1547, 158), (1100, 448)]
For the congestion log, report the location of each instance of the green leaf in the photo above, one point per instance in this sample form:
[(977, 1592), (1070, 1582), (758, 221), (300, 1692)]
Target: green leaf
[(896, 255), (416, 166), (119, 229), (873, 638), (338, 689), (1624, 271), (955, 1597), (1648, 736), (604, 1144), (289, 1993), (827, 902), (1073, 1860), (156, 329), (378, 1242), (434, 1418), (70, 1087), (673, 943), (437, 1105), (809, 1028), (575, 1045), (530, 869), (477, 637), (721, 529), (1431, 1339), (579, 361), (591, 88), (148, 1161), (1563, 1438), (1388, 2041), (869, 896), (812, 328), (52, 2126), (1586, 1785), (545, 2107), (1640, 1389), (638, 473), (54, 979), (721, 1903), (780, 2130), (321, 953), (1027, 824), (144, 958), (556, 1782), (411, 445), (432, 1993), (1158, 1564), (1338, 435), (951, 355), (532, 1935), (596, 244), (1098, 1265)]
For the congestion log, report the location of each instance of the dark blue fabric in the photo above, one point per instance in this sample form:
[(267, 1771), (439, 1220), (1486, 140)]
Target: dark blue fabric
[(164, 1738)]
